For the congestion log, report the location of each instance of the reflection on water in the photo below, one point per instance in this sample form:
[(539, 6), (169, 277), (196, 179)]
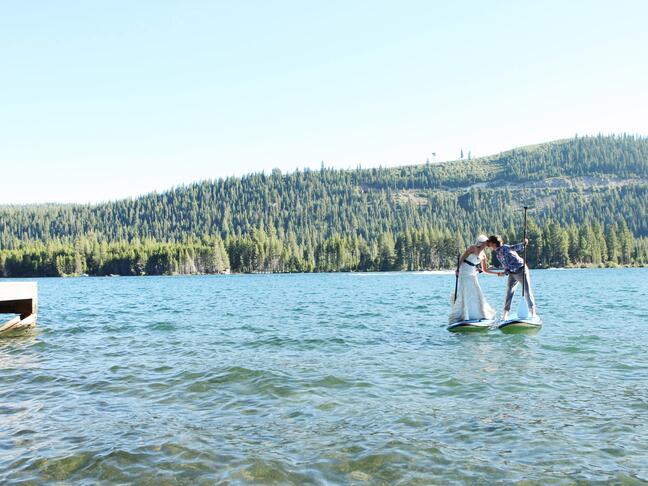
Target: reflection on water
[(314, 379)]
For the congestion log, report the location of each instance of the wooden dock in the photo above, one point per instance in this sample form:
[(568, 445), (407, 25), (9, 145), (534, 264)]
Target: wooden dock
[(19, 298)]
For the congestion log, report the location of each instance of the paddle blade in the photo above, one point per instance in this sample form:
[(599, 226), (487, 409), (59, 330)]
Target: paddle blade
[(523, 309)]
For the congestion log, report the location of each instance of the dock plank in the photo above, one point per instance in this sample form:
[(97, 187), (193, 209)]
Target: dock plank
[(19, 298)]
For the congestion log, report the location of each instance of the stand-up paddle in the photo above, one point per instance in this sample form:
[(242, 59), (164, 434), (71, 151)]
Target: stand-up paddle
[(522, 322), (456, 279), (523, 308)]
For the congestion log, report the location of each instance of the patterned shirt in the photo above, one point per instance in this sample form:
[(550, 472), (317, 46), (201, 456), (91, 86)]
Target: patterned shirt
[(509, 258)]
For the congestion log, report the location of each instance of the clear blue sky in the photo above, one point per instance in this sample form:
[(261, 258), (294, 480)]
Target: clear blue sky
[(100, 100)]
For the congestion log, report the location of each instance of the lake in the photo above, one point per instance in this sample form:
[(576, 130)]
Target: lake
[(325, 379)]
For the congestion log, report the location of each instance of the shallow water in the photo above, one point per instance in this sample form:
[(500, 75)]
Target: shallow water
[(325, 379)]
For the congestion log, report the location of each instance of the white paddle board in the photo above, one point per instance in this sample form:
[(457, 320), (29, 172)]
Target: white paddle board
[(520, 324), (471, 325)]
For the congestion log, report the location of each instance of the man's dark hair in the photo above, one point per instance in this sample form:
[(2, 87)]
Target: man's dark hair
[(496, 239)]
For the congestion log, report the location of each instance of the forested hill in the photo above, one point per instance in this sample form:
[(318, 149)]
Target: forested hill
[(407, 217)]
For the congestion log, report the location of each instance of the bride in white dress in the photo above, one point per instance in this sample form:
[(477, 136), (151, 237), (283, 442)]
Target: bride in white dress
[(470, 302)]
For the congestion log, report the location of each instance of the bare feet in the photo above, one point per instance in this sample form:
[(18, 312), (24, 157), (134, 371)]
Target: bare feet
[(505, 315)]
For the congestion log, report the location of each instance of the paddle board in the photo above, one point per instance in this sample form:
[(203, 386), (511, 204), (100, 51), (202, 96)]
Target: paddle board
[(16, 326), (471, 325), (520, 324)]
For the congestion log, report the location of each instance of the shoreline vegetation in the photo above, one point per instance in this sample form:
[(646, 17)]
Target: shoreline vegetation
[(589, 197), (418, 250), (226, 273)]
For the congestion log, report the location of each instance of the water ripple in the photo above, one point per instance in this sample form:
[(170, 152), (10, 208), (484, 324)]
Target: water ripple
[(324, 379)]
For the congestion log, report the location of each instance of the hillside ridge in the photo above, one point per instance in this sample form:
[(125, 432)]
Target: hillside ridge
[(582, 189)]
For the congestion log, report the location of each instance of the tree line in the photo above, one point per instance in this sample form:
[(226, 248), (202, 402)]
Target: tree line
[(260, 251)]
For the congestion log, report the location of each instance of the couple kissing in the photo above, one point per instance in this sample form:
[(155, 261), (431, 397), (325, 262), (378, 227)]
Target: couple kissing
[(469, 302)]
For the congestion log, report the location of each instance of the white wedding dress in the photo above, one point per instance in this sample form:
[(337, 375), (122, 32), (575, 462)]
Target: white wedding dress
[(470, 303)]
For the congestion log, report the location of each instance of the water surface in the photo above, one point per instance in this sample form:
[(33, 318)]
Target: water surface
[(325, 379)]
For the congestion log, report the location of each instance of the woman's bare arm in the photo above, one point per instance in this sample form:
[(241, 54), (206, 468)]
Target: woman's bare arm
[(485, 268)]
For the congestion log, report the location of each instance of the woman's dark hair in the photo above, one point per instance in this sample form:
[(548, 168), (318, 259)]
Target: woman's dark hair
[(496, 239)]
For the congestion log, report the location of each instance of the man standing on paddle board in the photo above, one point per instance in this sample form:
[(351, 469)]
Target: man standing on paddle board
[(513, 267)]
